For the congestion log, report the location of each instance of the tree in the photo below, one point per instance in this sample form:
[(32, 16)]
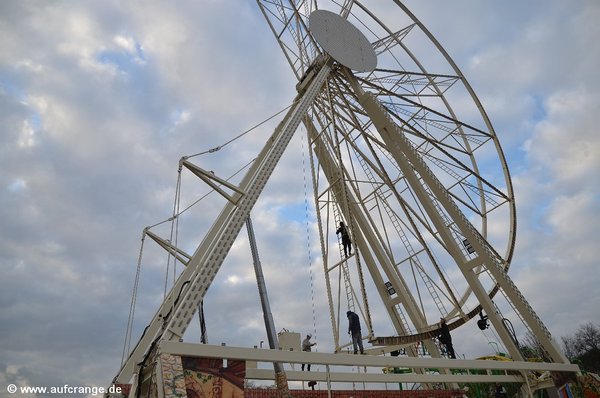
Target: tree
[(584, 347)]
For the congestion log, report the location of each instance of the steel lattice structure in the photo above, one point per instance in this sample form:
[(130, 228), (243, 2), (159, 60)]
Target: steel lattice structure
[(407, 157)]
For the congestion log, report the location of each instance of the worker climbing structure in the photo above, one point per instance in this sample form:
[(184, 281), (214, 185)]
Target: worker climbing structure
[(403, 153)]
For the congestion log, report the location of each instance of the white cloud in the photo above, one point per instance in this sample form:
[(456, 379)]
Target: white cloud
[(127, 43), (17, 185), (566, 142)]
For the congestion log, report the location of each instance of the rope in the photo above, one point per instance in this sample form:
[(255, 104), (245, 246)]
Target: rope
[(128, 331), (218, 148), (310, 271), (334, 327)]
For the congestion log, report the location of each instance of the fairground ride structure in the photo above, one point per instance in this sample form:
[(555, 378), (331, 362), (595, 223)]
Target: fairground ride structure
[(403, 153)]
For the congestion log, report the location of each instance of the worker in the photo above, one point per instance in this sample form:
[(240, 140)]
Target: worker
[(306, 346), (354, 331), (346, 242), (446, 339)]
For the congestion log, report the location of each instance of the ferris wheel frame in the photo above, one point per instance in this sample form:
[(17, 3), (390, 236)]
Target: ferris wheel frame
[(409, 94), (327, 90)]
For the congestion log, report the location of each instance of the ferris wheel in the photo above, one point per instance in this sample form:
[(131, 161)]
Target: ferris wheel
[(403, 153)]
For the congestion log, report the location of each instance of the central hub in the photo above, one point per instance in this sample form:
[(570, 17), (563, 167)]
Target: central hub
[(342, 40)]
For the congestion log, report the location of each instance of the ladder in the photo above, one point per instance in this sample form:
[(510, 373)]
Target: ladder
[(344, 264), (405, 241)]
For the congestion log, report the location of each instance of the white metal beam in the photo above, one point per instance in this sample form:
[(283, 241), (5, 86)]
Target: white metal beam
[(349, 377), (319, 358), (411, 163)]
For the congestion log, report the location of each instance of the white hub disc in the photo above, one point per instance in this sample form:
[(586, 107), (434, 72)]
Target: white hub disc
[(342, 40)]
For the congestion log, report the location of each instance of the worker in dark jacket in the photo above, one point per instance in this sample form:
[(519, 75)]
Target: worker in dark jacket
[(446, 339), (354, 331), (346, 242)]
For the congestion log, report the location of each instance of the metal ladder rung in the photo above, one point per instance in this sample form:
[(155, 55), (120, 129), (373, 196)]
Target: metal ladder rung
[(343, 260)]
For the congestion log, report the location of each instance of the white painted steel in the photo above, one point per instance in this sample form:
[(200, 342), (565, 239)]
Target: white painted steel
[(342, 40), (396, 130), (319, 358), (410, 161), (353, 377), (418, 97), (177, 310)]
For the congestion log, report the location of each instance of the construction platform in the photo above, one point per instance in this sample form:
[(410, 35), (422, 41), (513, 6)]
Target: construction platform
[(177, 369)]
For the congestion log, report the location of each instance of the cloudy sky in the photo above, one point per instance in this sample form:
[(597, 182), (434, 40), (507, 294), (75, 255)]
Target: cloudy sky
[(100, 100)]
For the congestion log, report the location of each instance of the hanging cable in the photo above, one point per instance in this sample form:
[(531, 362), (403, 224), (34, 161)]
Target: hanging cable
[(129, 329), (218, 148), (310, 271), (175, 223), (177, 214), (199, 199), (174, 219)]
